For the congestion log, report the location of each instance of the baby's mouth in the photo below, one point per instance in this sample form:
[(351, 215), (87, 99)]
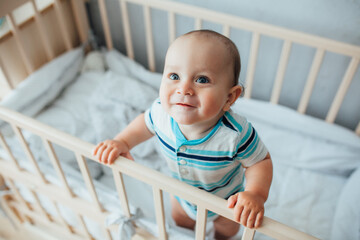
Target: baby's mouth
[(184, 105)]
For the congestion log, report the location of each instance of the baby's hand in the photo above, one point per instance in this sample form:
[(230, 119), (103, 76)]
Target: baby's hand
[(109, 150), (249, 208)]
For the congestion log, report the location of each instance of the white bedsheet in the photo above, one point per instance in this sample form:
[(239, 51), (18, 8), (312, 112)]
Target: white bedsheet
[(312, 159)]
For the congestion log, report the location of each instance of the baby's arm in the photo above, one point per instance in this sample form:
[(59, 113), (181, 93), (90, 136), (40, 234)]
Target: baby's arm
[(249, 205), (136, 132)]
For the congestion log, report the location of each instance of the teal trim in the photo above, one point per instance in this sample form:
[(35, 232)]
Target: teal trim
[(181, 140), (233, 121)]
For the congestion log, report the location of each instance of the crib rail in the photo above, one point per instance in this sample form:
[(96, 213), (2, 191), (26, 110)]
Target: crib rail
[(258, 30), (37, 184)]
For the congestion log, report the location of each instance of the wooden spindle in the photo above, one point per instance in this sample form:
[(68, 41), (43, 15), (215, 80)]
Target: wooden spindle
[(172, 27), (345, 83), (105, 24), (285, 53), (127, 31), (159, 212), (19, 42), (315, 67), (88, 180), (149, 39), (120, 186), (50, 54), (65, 32), (200, 223), (252, 63), (28, 152)]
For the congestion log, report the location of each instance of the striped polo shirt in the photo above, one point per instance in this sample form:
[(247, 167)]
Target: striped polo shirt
[(213, 163)]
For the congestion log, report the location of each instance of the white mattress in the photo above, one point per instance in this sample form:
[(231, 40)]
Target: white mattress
[(312, 160)]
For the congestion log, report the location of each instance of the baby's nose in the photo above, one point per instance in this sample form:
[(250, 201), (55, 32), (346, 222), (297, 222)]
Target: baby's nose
[(185, 89)]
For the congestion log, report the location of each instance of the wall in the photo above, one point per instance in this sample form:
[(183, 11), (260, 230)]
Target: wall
[(338, 20)]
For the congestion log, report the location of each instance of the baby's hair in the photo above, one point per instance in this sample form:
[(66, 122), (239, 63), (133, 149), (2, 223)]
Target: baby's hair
[(229, 45)]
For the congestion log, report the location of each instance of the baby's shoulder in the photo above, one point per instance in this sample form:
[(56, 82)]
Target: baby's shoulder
[(235, 122)]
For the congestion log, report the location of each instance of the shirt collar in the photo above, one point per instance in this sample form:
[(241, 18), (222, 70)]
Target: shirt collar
[(180, 138)]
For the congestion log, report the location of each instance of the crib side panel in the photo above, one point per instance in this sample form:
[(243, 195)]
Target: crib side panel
[(34, 33)]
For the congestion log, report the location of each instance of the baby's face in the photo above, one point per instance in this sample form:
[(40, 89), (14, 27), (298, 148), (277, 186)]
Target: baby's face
[(196, 81)]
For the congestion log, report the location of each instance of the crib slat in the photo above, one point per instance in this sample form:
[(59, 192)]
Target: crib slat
[(44, 38), (107, 234), (200, 222), (335, 106), (55, 161), (88, 180), (39, 206), (285, 53), (7, 81), (172, 27), (120, 186), (81, 19), (198, 24), (8, 151), (226, 30), (105, 24), (19, 197), (315, 67), (149, 39), (127, 31), (252, 63), (248, 234), (19, 42), (28, 153), (63, 27), (62, 220), (357, 130), (84, 227), (159, 211)]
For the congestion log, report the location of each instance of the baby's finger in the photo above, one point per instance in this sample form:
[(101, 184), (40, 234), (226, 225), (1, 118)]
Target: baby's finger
[(112, 156), (238, 212), (244, 216), (105, 155), (232, 201), (100, 152), (251, 219), (259, 219), (95, 150)]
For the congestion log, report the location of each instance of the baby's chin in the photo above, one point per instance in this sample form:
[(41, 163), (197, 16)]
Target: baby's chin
[(183, 119)]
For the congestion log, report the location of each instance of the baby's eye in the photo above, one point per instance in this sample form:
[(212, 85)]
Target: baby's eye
[(174, 76), (202, 79)]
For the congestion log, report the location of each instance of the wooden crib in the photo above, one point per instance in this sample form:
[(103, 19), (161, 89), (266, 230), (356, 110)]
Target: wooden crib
[(32, 215)]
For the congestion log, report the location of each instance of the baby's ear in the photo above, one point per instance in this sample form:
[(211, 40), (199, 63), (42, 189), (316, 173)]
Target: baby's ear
[(234, 94)]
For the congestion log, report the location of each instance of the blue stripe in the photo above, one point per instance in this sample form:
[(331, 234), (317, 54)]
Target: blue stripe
[(164, 143), (205, 158), (233, 121), (152, 123), (227, 123), (243, 147), (251, 149), (211, 187), (211, 153)]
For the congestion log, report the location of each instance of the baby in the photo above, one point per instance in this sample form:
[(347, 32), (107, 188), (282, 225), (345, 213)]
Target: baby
[(205, 143)]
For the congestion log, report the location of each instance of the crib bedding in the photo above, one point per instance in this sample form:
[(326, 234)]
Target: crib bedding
[(313, 160)]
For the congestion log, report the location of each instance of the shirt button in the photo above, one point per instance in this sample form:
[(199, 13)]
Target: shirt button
[(183, 162), (182, 149), (184, 171)]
